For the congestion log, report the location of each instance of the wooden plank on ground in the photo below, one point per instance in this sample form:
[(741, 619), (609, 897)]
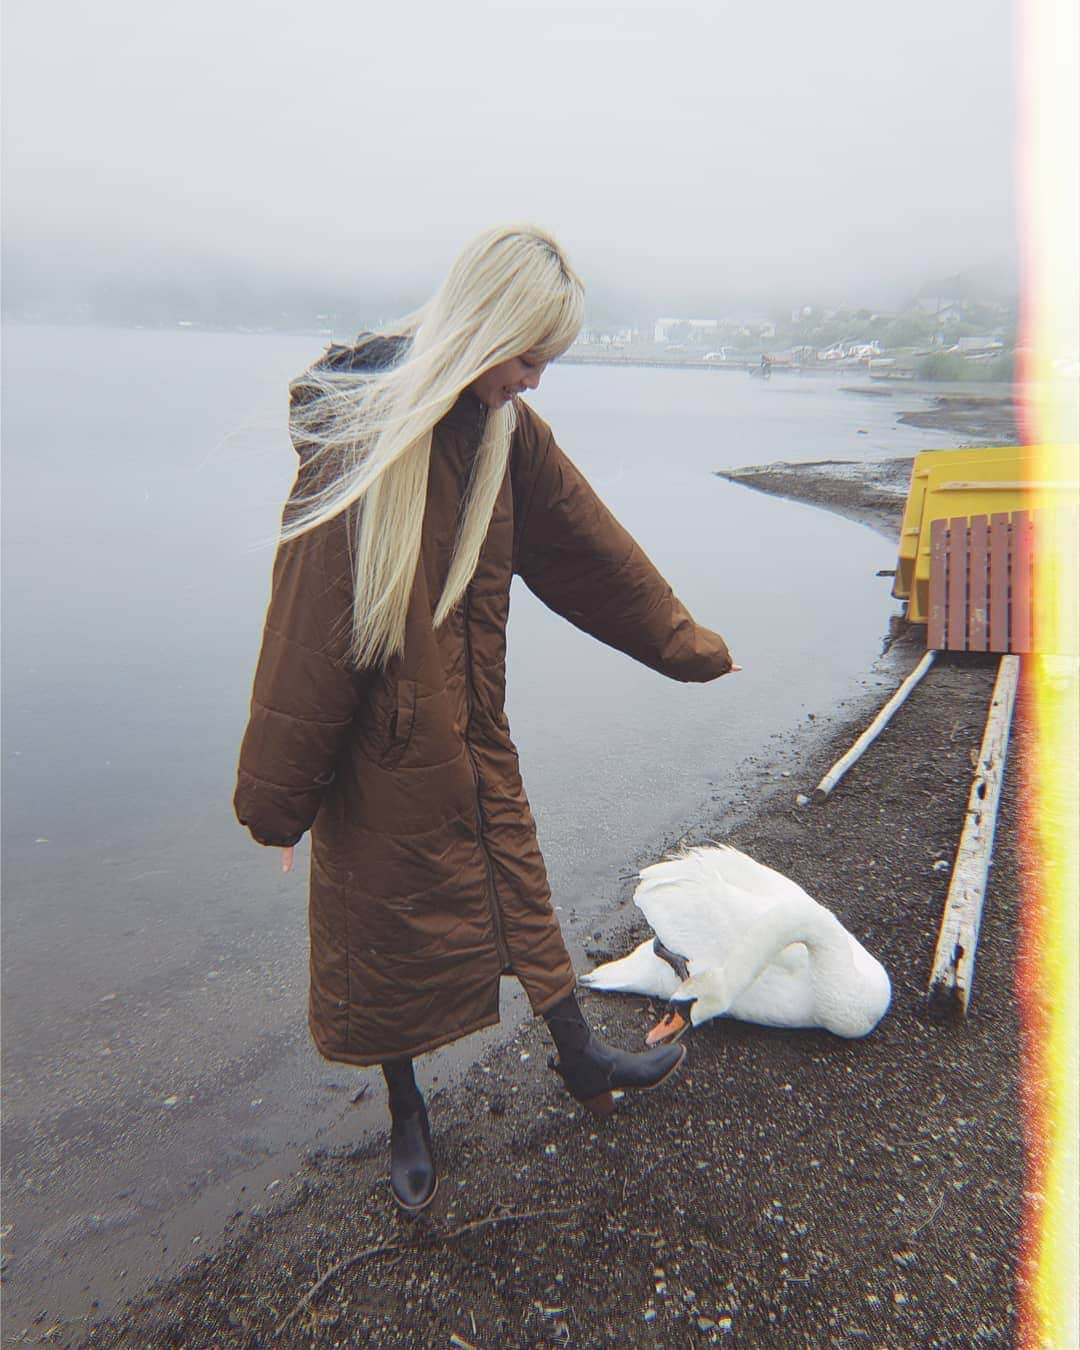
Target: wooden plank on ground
[(873, 731), (954, 958)]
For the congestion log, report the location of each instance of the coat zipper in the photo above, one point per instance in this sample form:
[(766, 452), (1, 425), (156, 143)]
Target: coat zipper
[(493, 902)]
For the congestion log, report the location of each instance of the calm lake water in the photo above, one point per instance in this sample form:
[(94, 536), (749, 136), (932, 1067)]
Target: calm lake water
[(154, 959)]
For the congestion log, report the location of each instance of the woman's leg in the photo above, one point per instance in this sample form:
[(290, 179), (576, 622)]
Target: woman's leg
[(404, 1095), (412, 1170), (590, 1069)]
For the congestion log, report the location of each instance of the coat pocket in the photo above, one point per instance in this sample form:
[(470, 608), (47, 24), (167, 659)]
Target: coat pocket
[(386, 730), (401, 727)]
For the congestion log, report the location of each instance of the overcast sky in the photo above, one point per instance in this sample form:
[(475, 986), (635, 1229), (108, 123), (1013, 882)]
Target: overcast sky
[(751, 146)]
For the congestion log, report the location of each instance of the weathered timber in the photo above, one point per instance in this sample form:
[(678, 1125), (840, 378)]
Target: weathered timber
[(954, 958), (873, 731)]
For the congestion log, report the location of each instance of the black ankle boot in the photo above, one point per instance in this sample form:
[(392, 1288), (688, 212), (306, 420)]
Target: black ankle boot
[(413, 1182), (591, 1070), (412, 1171)]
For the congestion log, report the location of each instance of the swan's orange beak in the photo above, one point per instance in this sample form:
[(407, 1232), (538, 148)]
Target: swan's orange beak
[(668, 1030)]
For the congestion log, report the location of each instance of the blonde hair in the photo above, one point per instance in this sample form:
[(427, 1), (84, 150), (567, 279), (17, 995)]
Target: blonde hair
[(366, 433)]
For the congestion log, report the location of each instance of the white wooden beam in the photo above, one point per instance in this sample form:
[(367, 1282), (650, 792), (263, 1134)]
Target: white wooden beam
[(873, 731), (954, 959)]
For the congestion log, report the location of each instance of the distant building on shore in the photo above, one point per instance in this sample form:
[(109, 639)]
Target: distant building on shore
[(686, 330)]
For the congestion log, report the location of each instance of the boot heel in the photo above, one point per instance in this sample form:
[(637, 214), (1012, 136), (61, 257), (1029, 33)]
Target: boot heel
[(602, 1105)]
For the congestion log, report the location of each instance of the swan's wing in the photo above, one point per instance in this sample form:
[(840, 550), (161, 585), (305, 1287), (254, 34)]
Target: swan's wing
[(693, 914), (739, 869), (642, 972), (704, 899)]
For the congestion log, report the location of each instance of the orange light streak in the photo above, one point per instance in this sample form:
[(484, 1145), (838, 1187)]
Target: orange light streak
[(1047, 972)]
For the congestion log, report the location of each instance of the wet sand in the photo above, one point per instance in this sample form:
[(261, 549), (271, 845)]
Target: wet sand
[(869, 491), (873, 491), (985, 418)]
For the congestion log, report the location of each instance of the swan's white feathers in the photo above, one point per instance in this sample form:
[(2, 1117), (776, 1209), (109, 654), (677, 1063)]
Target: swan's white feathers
[(702, 902), (721, 862), (642, 972), (758, 947)]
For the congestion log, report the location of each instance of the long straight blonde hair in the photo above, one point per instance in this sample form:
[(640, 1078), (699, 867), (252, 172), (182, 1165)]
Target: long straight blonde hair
[(365, 434)]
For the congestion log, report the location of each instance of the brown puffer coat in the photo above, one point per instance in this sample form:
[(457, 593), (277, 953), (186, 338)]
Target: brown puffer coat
[(426, 880)]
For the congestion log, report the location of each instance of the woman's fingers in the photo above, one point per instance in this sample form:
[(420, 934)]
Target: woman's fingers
[(287, 855)]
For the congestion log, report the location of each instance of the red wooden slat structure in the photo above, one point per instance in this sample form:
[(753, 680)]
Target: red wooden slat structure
[(982, 579), (999, 582), (958, 545)]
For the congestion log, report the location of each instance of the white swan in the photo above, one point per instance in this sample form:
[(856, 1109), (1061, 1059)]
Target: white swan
[(755, 946)]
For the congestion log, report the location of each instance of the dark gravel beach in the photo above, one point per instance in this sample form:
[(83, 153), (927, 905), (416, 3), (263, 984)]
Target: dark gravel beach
[(788, 1188)]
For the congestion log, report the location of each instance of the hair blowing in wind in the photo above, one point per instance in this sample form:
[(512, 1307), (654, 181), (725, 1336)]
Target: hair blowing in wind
[(365, 435)]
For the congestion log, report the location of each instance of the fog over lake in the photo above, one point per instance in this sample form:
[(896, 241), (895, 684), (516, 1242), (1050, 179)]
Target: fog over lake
[(691, 152)]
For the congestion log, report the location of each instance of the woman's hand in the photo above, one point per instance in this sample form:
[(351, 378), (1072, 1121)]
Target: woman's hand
[(288, 857)]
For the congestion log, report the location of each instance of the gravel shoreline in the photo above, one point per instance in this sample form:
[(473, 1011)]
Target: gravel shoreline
[(869, 491), (986, 419), (786, 1188)]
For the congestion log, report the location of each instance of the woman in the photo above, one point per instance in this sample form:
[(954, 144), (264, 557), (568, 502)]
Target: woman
[(377, 716)]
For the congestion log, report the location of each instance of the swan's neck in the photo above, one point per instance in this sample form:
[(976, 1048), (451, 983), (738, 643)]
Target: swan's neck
[(826, 941)]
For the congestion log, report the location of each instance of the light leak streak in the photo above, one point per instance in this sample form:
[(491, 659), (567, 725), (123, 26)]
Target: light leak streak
[(1047, 982)]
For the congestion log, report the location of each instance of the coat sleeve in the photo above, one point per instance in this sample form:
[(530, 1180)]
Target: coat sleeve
[(577, 558), (305, 694)]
